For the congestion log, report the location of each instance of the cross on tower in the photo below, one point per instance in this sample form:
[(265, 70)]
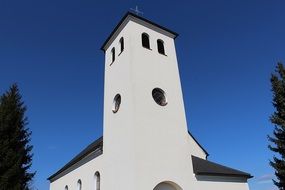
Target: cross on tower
[(137, 11)]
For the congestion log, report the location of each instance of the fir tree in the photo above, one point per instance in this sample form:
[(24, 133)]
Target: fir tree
[(278, 119), (15, 151)]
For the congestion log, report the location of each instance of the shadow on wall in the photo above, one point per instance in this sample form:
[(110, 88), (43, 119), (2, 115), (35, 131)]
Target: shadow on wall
[(220, 179)]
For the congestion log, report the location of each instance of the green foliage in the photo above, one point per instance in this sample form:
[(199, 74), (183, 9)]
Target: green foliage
[(15, 151), (278, 119)]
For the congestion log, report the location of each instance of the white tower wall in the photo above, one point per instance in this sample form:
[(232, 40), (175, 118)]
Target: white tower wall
[(118, 133), (144, 142)]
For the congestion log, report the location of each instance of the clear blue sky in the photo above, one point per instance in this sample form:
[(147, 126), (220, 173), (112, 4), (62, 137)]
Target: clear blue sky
[(226, 51)]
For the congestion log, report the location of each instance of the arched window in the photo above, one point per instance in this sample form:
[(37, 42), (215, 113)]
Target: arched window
[(122, 44), (113, 54), (116, 103), (66, 187), (97, 181), (160, 47), (145, 40), (167, 186), (79, 185)]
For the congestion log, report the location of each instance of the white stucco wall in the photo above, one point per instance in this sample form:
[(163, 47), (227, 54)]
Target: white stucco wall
[(222, 186), (153, 137)]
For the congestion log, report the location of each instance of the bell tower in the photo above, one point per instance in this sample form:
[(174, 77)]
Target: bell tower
[(146, 140)]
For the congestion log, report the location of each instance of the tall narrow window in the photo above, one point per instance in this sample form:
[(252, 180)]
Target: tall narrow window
[(113, 54), (160, 47), (79, 185), (116, 103), (122, 44), (97, 181), (66, 187), (145, 40)]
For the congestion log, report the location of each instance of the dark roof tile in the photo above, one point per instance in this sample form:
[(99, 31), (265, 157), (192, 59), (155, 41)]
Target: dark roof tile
[(205, 167)]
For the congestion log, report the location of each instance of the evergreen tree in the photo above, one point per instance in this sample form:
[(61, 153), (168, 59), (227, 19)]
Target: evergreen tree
[(15, 151), (278, 119)]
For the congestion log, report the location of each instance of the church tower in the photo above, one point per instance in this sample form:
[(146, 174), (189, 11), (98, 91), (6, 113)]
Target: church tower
[(146, 140), (146, 144)]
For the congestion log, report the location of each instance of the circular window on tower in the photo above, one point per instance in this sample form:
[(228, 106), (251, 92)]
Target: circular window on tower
[(116, 103), (159, 96)]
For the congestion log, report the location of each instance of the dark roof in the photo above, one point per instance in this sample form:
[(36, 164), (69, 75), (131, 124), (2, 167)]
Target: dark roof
[(97, 144), (207, 154), (138, 17), (205, 167)]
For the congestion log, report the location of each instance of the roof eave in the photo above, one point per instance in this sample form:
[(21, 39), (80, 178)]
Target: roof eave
[(224, 175), (78, 157)]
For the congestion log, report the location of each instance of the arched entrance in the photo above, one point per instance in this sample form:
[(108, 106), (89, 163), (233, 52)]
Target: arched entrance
[(167, 186)]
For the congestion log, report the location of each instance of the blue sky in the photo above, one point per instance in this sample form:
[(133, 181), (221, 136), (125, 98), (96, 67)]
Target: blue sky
[(226, 51)]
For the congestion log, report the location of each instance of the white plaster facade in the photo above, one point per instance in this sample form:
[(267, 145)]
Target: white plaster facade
[(145, 144)]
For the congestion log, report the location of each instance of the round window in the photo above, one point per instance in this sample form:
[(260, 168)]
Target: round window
[(159, 96), (116, 103)]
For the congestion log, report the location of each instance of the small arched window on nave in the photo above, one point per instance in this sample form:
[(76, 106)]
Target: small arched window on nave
[(97, 181), (79, 185), (145, 40)]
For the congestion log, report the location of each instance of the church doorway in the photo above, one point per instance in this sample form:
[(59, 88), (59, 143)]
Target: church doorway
[(167, 186)]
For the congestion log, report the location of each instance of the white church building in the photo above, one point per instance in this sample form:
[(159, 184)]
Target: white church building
[(146, 144)]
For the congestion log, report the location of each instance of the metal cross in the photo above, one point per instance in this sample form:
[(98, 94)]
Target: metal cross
[(137, 11)]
